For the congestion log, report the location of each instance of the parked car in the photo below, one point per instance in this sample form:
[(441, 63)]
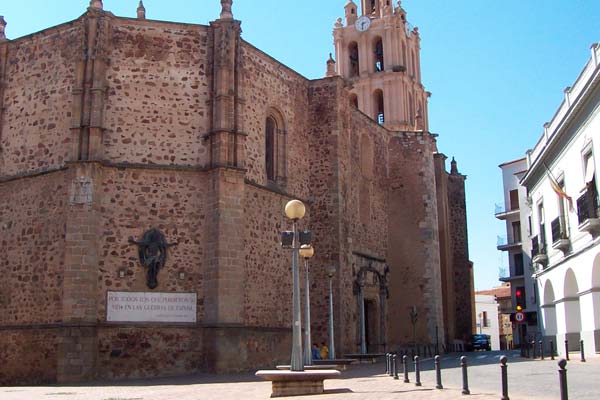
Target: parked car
[(480, 342)]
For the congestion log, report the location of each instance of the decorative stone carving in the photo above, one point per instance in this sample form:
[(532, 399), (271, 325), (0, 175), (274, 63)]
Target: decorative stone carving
[(97, 4), (81, 191), (152, 251), (226, 9), (2, 28)]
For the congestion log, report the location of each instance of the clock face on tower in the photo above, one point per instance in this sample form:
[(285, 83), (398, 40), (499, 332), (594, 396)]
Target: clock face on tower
[(363, 23)]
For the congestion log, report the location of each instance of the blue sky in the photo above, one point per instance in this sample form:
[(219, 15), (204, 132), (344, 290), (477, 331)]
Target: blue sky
[(497, 71)]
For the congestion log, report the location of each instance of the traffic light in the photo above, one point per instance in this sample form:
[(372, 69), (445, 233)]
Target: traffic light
[(520, 298)]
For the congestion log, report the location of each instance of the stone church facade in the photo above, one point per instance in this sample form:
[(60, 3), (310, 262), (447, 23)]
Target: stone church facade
[(112, 126)]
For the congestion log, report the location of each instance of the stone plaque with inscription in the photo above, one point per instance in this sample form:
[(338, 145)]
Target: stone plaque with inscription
[(151, 307)]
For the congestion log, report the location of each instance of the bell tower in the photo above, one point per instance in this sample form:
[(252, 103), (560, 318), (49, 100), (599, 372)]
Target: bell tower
[(378, 52)]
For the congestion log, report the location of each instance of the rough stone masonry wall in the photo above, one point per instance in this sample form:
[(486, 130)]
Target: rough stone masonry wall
[(268, 279), (32, 238), (133, 201), (337, 182), (35, 133), (446, 263), (364, 208), (413, 239), (463, 281), (269, 85), (157, 108)]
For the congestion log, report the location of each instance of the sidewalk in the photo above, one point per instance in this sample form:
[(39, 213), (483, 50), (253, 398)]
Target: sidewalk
[(364, 382)]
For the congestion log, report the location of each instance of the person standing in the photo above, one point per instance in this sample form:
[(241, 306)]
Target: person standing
[(324, 351), (316, 355)]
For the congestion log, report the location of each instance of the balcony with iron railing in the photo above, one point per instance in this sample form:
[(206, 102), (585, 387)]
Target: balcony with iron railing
[(503, 243), (538, 251), (501, 212), (560, 236), (587, 212)]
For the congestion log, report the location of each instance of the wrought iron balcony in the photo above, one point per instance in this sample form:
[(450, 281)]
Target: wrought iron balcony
[(587, 211), (538, 251), (560, 236)]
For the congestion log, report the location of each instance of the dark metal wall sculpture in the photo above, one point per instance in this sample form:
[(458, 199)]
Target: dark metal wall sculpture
[(152, 251)]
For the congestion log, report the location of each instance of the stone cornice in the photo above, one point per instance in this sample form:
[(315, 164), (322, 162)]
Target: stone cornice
[(108, 325), (275, 189)]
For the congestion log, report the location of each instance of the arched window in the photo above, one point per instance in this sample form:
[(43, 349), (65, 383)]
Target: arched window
[(270, 151), (404, 62), (275, 148), (354, 100), (354, 59), (414, 65), (379, 108), (373, 6), (411, 110), (378, 50)]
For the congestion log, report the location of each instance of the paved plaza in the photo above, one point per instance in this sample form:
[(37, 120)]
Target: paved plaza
[(527, 380)]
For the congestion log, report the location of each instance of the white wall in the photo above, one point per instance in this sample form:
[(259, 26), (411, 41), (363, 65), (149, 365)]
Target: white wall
[(488, 304)]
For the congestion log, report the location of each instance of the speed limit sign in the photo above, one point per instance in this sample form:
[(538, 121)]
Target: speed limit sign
[(519, 317)]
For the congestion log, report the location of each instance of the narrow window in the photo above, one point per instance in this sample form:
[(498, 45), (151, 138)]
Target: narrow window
[(354, 59), (270, 148), (518, 260), (411, 111), (379, 108), (542, 229), (373, 6), (590, 180), (514, 199), (354, 100), (516, 227), (378, 50)]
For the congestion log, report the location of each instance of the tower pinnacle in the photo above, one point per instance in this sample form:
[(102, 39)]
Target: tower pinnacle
[(141, 10), (96, 4), (453, 167), (2, 28), (226, 9)]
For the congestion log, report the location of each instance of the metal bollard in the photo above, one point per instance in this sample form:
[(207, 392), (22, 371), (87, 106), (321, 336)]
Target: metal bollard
[(395, 366), (567, 349), (582, 351), (552, 349), (542, 349), (392, 355), (504, 368), (534, 349), (417, 372), (438, 373), (463, 364), (405, 365), (562, 375), (387, 363)]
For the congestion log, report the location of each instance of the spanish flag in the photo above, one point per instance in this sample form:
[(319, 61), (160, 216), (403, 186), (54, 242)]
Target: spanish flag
[(558, 190)]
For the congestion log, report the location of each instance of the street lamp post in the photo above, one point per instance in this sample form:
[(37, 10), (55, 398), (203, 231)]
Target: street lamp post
[(306, 252), (331, 273), (295, 211), (361, 300)]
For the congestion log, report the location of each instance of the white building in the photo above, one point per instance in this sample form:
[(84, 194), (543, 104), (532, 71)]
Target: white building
[(486, 311), (565, 241), (517, 245)]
